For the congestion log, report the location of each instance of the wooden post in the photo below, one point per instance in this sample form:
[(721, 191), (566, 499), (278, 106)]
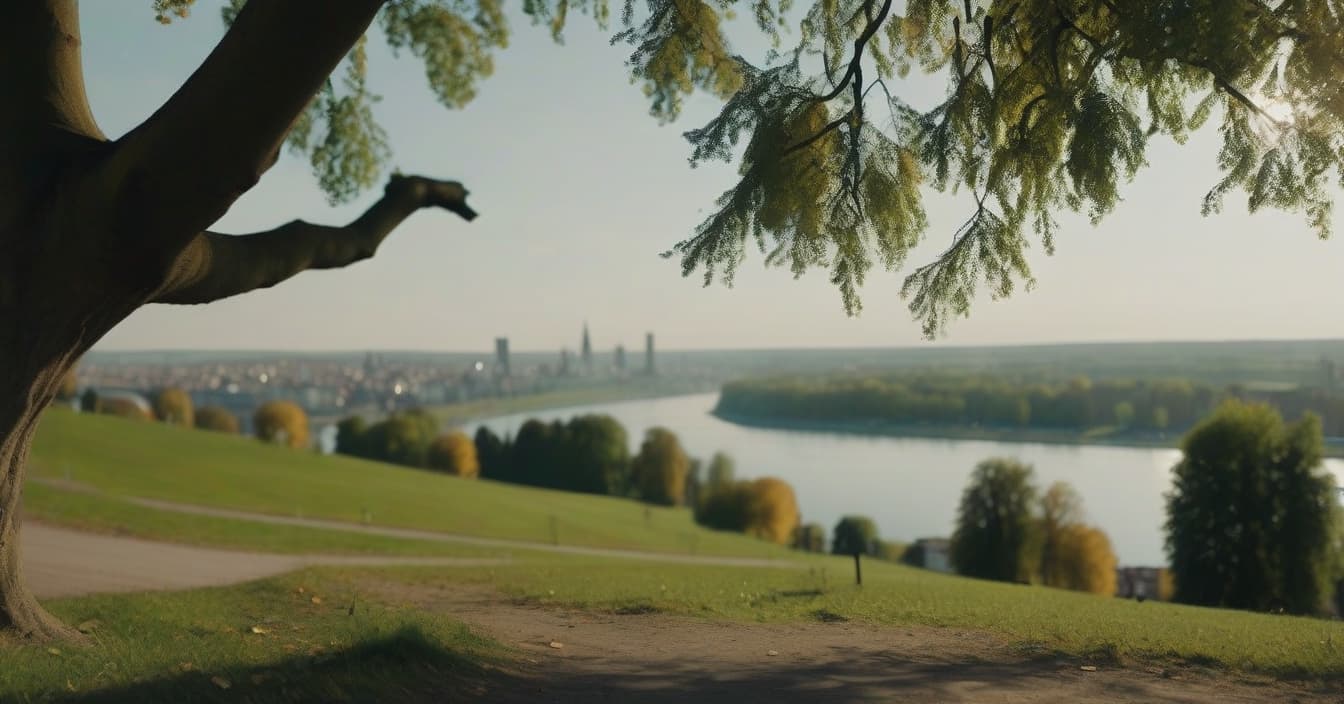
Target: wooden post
[(858, 571)]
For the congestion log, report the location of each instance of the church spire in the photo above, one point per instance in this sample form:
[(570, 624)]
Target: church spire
[(587, 350)]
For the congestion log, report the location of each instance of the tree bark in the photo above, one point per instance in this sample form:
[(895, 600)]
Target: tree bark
[(90, 230)]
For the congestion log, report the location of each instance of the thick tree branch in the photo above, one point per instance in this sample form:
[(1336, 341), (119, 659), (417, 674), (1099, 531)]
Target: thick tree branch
[(182, 168), (215, 266)]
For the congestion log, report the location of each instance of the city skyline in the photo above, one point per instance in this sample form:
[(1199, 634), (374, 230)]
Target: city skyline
[(573, 217)]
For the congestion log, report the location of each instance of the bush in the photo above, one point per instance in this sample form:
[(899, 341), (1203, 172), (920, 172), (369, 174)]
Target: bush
[(660, 468), (1084, 562), (123, 408), (855, 535), (402, 438), (217, 419), (174, 407), (455, 454), (492, 454), (994, 534), (281, 423)]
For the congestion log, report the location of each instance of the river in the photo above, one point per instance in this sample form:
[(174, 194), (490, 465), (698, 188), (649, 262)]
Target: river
[(909, 486)]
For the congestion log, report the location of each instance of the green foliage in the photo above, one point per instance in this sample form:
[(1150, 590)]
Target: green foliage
[(994, 535), (1048, 108), (216, 419), (855, 535), (1251, 517), (402, 438), (123, 408), (491, 453), (588, 453), (722, 471), (659, 470), (174, 407)]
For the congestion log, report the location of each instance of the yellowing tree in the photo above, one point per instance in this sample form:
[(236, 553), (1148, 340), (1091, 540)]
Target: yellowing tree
[(772, 510), (454, 453), (123, 408), (281, 423), (217, 419), (173, 406), (1084, 561)]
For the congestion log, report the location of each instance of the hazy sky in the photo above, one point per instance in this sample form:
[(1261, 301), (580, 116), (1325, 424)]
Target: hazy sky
[(579, 190)]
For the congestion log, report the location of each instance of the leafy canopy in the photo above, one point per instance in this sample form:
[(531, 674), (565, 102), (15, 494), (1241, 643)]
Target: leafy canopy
[(1049, 107)]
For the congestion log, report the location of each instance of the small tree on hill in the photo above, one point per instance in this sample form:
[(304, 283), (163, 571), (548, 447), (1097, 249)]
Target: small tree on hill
[(993, 538), (173, 406), (350, 437), (1061, 507), (281, 423), (660, 468), (1084, 561), (454, 453), (722, 471), (402, 438), (1251, 514), (595, 456), (854, 535), (216, 419), (88, 401)]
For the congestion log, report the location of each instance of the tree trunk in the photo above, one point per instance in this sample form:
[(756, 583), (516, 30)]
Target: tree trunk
[(23, 395)]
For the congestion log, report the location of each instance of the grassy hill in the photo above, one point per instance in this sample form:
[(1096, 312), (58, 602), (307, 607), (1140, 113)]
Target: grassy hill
[(129, 458)]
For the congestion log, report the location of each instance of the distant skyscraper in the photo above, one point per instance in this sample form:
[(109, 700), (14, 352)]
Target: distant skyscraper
[(502, 367), (620, 358), (649, 367), (587, 351)]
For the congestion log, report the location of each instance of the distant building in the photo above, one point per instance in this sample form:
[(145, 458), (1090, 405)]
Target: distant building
[(565, 369), (932, 554), (620, 358), (1138, 582), (649, 367), (586, 352), (502, 357)]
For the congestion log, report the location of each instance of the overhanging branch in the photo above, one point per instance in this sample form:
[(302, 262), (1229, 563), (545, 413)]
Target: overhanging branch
[(181, 169), (215, 266)]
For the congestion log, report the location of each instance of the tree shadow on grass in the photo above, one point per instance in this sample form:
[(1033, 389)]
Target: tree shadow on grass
[(406, 666)]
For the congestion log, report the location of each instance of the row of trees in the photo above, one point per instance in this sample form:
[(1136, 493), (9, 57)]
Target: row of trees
[(410, 438), (1008, 531), (277, 422), (982, 400)]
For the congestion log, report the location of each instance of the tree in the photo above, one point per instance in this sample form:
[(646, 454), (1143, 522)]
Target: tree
[(772, 510), (89, 401), (596, 455), (993, 538), (492, 453), (810, 537), (217, 419), (455, 454), (1045, 111), (402, 438), (350, 437), (1061, 508), (1084, 561), (722, 471), (854, 535), (173, 406), (1123, 413), (660, 468), (1252, 513), (281, 423)]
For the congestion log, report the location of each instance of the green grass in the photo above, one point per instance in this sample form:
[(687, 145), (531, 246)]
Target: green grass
[(629, 390), (106, 514), (1037, 620), (259, 642), (129, 458)]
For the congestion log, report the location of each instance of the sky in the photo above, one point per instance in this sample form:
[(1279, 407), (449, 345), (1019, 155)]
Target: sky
[(579, 190)]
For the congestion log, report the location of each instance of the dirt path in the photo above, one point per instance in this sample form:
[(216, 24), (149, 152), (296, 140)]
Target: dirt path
[(61, 562), (414, 534), (656, 658)]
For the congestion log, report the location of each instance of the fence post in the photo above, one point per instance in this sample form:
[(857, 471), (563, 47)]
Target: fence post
[(858, 571)]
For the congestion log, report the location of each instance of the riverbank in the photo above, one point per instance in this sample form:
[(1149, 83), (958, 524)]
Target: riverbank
[(1105, 437), (633, 390)]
